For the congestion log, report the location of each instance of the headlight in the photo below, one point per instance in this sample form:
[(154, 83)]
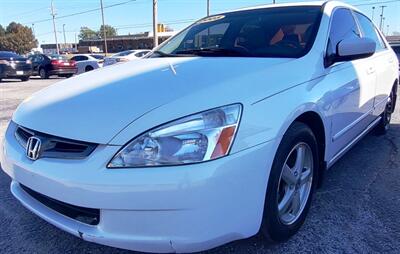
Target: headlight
[(200, 137)]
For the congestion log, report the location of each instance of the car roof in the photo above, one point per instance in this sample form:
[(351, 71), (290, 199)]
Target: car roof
[(292, 4)]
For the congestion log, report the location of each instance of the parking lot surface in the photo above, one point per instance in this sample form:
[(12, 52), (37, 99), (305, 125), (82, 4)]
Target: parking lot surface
[(356, 210)]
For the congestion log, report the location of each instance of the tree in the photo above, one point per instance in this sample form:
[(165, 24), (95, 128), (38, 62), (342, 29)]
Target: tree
[(87, 34), (110, 31), (17, 38), (2, 31)]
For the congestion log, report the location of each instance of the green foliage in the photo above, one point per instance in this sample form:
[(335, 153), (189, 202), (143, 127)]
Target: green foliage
[(110, 31), (87, 34), (2, 31), (17, 38)]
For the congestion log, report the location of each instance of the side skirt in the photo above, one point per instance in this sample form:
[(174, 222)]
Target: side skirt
[(352, 143)]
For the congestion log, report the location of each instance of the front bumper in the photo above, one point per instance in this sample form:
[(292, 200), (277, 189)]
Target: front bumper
[(170, 209)]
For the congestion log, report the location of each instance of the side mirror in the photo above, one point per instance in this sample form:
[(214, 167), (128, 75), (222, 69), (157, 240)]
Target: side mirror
[(352, 49)]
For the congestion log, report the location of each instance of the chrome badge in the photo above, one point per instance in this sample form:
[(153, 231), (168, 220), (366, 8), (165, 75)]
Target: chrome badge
[(33, 147)]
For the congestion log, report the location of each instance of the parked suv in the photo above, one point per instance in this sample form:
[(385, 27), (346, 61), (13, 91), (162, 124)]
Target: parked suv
[(48, 65), (14, 66), (224, 131)]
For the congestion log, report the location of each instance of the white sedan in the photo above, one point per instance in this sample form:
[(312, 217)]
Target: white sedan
[(125, 56), (86, 62), (223, 131)]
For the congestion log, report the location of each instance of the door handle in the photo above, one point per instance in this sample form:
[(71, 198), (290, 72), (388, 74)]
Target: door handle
[(370, 70)]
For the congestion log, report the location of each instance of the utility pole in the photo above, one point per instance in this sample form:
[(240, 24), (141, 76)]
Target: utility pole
[(381, 22), (155, 23), (373, 12), (274, 1), (33, 29), (65, 39), (104, 29), (383, 25), (76, 44), (53, 14), (208, 8)]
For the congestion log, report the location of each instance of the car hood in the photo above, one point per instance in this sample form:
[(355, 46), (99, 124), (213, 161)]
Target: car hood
[(97, 105)]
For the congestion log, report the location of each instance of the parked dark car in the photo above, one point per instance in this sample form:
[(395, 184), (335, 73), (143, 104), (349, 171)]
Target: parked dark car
[(14, 66), (48, 65)]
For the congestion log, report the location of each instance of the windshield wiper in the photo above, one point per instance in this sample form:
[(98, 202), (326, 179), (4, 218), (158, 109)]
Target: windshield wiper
[(163, 54), (213, 52)]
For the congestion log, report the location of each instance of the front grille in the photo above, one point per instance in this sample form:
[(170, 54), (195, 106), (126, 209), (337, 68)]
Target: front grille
[(88, 216), (22, 65), (55, 147)]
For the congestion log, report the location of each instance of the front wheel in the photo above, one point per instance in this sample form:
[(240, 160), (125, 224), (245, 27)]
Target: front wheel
[(291, 183)]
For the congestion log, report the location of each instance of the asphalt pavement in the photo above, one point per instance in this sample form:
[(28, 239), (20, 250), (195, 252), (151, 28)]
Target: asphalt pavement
[(357, 210)]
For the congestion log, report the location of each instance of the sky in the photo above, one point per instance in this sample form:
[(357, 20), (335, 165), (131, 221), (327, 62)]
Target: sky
[(136, 16)]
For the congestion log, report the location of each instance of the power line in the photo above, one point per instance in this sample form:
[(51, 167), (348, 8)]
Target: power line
[(81, 12)]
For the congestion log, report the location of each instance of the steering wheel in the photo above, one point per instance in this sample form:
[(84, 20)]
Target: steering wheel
[(287, 44)]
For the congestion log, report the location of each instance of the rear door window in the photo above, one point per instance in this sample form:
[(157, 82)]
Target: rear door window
[(369, 31)]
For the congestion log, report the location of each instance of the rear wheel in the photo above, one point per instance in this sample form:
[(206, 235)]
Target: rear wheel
[(43, 74), (89, 68), (291, 183), (26, 78), (386, 117)]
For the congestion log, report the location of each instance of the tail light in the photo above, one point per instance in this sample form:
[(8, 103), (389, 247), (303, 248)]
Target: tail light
[(72, 63), (4, 62), (56, 62)]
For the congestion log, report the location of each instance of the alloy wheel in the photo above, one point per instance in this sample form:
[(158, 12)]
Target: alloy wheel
[(295, 183)]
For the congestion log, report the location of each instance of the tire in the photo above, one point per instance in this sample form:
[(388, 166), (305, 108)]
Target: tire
[(26, 78), (66, 75), (384, 124), (280, 224), (43, 74), (89, 68)]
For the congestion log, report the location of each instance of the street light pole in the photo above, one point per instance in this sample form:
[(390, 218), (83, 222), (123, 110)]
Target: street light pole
[(104, 29), (53, 14), (373, 12), (155, 23), (381, 23), (208, 8), (65, 39)]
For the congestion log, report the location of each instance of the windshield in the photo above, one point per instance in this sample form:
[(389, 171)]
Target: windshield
[(6, 54), (99, 57), (123, 53), (270, 32), (58, 57)]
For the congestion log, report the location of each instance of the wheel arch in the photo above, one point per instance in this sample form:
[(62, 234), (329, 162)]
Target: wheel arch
[(314, 121), (311, 117)]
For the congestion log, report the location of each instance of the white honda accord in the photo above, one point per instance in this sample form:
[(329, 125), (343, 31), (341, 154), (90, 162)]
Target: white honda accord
[(223, 131)]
